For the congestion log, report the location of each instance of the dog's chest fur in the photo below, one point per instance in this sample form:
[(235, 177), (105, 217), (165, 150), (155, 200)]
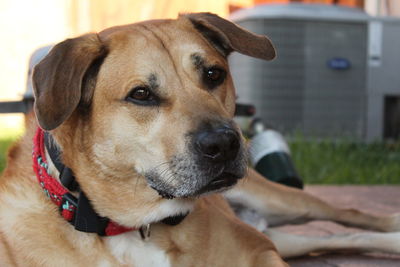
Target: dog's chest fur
[(131, 250)]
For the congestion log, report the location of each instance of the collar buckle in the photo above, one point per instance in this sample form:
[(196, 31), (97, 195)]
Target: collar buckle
[(86, 219), (79, 213)]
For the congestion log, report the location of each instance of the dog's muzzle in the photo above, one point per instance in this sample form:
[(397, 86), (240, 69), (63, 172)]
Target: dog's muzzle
[(218, 147), (215, 160)]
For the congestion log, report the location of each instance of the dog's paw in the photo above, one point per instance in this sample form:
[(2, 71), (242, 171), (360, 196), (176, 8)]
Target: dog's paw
[(394, 223)]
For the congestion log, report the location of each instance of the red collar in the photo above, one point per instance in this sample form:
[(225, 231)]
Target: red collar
[(72, 209)]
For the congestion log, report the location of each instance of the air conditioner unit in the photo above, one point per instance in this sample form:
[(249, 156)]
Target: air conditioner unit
[(337, 72)]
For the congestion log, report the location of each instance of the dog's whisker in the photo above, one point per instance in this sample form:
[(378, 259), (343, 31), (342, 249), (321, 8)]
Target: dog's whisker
[(135, 189), (170, 177), (161, 164)]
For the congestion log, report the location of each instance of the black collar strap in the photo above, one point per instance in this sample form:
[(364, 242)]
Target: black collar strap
[(85, 218), (66, 177)]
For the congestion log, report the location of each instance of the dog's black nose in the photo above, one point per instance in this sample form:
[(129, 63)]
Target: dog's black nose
[(219, 144)]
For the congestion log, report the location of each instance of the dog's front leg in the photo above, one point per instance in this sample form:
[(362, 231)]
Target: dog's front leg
[(211, 235), (290, 245), (247, 246), (281, 205)]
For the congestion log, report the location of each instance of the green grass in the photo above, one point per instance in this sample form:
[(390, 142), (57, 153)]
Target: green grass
[(7, 137), (346, 162), (4, 145)]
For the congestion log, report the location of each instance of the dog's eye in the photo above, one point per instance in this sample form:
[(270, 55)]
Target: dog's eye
[(141, 95), (213, 76)]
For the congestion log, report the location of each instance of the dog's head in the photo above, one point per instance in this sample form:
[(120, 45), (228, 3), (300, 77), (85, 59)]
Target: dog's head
[(147, 105)]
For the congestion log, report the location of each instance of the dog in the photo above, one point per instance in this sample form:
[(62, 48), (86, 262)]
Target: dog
[(136, 159)]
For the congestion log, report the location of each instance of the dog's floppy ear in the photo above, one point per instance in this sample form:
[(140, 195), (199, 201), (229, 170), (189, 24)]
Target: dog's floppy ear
[(227, 36), (58, 80)]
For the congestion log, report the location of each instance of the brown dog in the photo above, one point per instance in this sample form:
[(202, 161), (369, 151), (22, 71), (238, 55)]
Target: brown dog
[(139, 133)]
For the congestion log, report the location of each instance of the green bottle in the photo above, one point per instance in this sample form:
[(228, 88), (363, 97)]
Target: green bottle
[(270, 156)]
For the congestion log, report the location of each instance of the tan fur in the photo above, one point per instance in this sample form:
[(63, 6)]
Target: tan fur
[(110, 144)]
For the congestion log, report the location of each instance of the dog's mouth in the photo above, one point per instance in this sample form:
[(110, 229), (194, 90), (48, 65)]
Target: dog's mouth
[(188, 178), (222, 181)]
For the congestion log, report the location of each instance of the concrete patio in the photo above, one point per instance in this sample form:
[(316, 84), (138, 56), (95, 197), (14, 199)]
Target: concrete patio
[(374, 199)]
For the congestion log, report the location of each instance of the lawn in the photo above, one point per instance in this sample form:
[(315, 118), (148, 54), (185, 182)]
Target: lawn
[(320, 162), (7, 137), (346, 162), (4, 144)]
